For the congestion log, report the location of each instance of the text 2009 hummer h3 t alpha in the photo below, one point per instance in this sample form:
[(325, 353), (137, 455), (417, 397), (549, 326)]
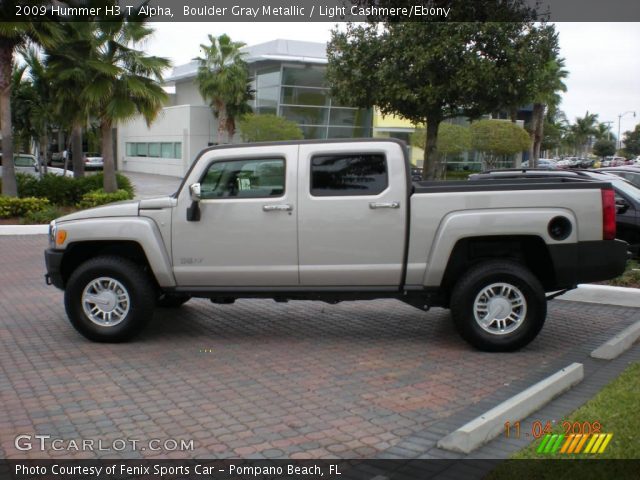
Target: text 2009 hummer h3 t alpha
[(332, 221)]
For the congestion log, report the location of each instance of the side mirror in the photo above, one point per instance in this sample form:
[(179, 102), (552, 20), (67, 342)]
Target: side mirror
[(194, 190), (621, 205)]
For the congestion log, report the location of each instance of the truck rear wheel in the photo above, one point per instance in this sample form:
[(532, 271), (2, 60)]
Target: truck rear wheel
[(498, 306), (109, 299)]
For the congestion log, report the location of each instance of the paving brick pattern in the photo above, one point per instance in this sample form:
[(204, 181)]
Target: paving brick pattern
[(257, 379)]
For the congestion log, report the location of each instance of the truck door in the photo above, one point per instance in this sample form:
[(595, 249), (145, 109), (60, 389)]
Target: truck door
[(246, 235), (352, 214)]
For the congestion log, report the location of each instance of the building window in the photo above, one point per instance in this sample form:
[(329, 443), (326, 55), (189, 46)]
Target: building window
[(255, 178), (348, 175), (154, 149)]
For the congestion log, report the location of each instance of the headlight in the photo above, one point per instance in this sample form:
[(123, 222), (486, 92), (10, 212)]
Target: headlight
[(52, 233)]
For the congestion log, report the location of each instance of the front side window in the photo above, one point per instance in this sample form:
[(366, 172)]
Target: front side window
[(352, 174), (254, 178)]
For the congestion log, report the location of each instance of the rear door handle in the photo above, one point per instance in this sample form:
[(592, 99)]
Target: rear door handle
[(277, 208), (375, 205)]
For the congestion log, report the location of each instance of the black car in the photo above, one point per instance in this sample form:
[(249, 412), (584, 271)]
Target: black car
[(629, 173), (627, 196)]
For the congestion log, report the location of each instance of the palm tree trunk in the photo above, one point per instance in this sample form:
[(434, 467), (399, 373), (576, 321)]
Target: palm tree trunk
[(222, 123), (9, 185), (431, 158), (76, 148), (110, 184), (538, 115), (44, 141)]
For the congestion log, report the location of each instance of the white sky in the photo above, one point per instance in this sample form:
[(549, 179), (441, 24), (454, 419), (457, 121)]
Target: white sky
[(603, 59)]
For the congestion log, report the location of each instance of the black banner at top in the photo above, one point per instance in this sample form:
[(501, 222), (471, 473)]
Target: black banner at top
[(325, 10)]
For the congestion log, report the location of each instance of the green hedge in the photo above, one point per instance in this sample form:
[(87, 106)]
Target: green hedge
[(100, 197), (18, 207), (43, 216), (65, 191)]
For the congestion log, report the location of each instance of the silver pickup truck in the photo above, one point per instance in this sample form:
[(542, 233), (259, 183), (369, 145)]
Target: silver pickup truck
[(332, 221)]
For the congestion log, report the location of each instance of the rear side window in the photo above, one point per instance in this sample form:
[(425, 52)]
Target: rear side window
[(348, 175)]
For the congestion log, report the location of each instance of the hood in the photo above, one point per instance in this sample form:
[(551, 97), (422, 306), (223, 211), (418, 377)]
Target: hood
[(126, 208)]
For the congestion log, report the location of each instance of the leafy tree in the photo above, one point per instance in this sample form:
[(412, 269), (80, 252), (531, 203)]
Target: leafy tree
[(452, 139), (498, 138), (124, 82), (265, 128), (631, 142), (12, 36), (223, 80), (604, 148), (427, 72)]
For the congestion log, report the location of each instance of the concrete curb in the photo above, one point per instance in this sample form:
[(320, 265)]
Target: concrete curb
[(626, 297), (484, 428), (618, 344), (24, 229)]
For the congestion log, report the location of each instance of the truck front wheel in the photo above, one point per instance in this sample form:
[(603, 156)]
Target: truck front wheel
[(109, 299), (498, 306)]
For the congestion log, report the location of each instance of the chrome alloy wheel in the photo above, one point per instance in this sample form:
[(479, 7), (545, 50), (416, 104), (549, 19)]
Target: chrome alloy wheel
[(500, 308), (105, 301)]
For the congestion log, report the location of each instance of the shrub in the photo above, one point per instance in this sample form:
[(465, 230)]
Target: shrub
[(99, 197), (263, 128), (18, 207), (41, 216), (65, 191)]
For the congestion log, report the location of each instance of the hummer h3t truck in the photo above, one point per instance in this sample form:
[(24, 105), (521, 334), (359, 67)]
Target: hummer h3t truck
[(337, 220)]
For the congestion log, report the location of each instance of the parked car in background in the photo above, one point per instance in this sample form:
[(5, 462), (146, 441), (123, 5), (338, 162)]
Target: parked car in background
[(614, 161), (627, 196), (543, 163), (92, 161), (27, 163), (629, 173)]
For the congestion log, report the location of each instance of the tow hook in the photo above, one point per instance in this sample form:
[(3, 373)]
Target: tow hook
[(47, 279)]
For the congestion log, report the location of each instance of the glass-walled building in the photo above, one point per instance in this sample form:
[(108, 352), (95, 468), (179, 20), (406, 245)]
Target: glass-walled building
[(299, 93), (289, 79)]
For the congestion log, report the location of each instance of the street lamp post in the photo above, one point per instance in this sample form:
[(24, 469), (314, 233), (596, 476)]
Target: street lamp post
[(619, 117), (608, 129)]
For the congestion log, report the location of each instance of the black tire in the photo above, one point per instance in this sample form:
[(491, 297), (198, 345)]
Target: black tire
[(172, 301), (489, 273), (134, 282)]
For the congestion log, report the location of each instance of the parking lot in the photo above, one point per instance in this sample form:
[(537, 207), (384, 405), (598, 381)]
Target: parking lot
[(257, 378)]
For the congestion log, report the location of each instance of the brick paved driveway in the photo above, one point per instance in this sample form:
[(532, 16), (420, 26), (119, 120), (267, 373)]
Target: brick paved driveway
[(255, 379)]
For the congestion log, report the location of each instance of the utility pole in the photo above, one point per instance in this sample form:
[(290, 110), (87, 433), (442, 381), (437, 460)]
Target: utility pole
[(619, 143)]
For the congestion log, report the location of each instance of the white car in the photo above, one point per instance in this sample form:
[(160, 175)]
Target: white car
[(92, 160), (27, 163)]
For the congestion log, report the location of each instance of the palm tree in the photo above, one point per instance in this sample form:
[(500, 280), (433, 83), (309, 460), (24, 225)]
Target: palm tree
[(547, 98), (66, 62), (41, 113), (223, 80), (603, 132), (583, 129), (12, 36), (123, 82)]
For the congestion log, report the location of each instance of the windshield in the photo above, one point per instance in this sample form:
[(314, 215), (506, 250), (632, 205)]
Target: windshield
[(626, 188)]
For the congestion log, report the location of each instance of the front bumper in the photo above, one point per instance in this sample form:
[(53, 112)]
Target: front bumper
[(585, 262), (53, 262)]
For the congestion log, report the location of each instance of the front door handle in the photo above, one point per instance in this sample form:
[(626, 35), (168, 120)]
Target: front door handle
[(374, 205), (277, 208)]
